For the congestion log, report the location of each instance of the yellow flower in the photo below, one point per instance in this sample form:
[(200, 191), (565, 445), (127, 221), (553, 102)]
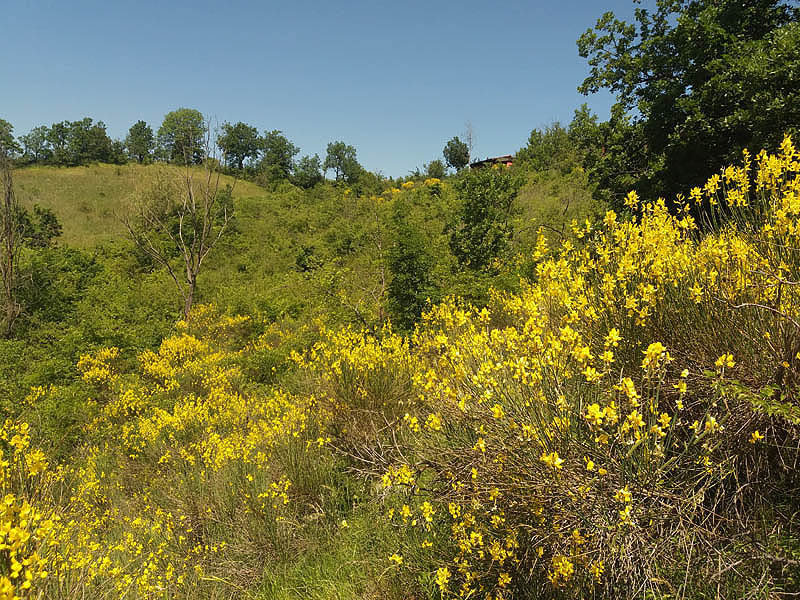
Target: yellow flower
[(726, 360), (442, 577), (594, 414), (756, 437), (396, 559), (552, 460)]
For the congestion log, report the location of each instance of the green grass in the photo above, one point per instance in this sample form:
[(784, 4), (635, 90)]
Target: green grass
[(87, 200)]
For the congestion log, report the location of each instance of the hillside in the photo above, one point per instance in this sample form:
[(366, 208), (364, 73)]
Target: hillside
[(569, 417), (87, 200)]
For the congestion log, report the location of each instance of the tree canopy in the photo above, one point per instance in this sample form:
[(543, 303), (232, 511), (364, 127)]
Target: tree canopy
[(701, 79), (278, 155), (239, 143), (140, 141), (342, 159), (181, 135), (456, 153)]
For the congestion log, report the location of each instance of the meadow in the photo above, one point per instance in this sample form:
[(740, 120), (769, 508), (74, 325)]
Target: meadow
[(612, 414)]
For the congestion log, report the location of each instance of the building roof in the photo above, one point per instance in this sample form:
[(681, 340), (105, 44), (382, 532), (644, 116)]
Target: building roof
[(507, 159)]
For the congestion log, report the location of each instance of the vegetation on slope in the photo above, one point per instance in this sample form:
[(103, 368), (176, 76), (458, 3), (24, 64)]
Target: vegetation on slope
[(623, 425)]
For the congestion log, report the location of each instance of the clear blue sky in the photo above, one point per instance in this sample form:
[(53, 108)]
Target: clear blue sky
[(395, 79)]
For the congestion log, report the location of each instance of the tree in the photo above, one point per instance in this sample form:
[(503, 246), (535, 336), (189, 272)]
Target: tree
[(307, 172), (549, 148), (140, 141), (456, 154), (10, 240), (342, 159), (8, 145), (481, 230), (182, 135), (435, 168), (36, 148), (88, 141), (186, 217), (411, 265), (701, 79), (277, 160), (58, 138), (238, 143)]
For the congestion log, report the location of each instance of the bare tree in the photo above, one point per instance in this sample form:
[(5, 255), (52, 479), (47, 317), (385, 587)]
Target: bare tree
[(468, 138), (10, 242), (178, 221)]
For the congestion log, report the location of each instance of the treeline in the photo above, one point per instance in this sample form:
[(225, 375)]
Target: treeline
[(184, 137)]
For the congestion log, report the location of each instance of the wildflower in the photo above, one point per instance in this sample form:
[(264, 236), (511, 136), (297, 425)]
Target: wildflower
[(726, 360), (562, 570), (655, 352), (635, 419), (613, 338), (596, 569), (442, 577), (396, 559), (623, 495), (594, 414), (552, 460), (712, 426), (756, 437), (497, 411)]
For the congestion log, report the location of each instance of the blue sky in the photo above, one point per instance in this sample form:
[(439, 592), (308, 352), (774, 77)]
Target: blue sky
[(394, 79)]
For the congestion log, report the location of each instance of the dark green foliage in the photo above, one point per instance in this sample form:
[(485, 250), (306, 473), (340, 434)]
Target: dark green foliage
[(435, 168), (456, 153), (411, 265), (307, 172), (40, 230), (140, 141), (342, 159), (481, 230), (307, 260), (8, 144), (278, 155), (548, 148), (181, 136), (239, 143), (73, 143), (36, 147), (705, 78), (55, 280)]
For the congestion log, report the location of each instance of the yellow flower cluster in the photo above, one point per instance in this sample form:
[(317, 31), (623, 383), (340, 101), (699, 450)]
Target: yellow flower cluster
[(556, 417)]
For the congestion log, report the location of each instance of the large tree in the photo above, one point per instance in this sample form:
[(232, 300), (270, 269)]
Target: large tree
[(182, 135), (239, 143), (140, 141), (307, 171), (278, 155), (342, 159), (701, 79), (456, 153), (36, 148)]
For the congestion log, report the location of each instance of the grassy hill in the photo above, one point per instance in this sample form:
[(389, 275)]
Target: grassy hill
[(88, 200), (620, 419)]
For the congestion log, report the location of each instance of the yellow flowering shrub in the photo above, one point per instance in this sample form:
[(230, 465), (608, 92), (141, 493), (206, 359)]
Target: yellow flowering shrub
[(584, 435)]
